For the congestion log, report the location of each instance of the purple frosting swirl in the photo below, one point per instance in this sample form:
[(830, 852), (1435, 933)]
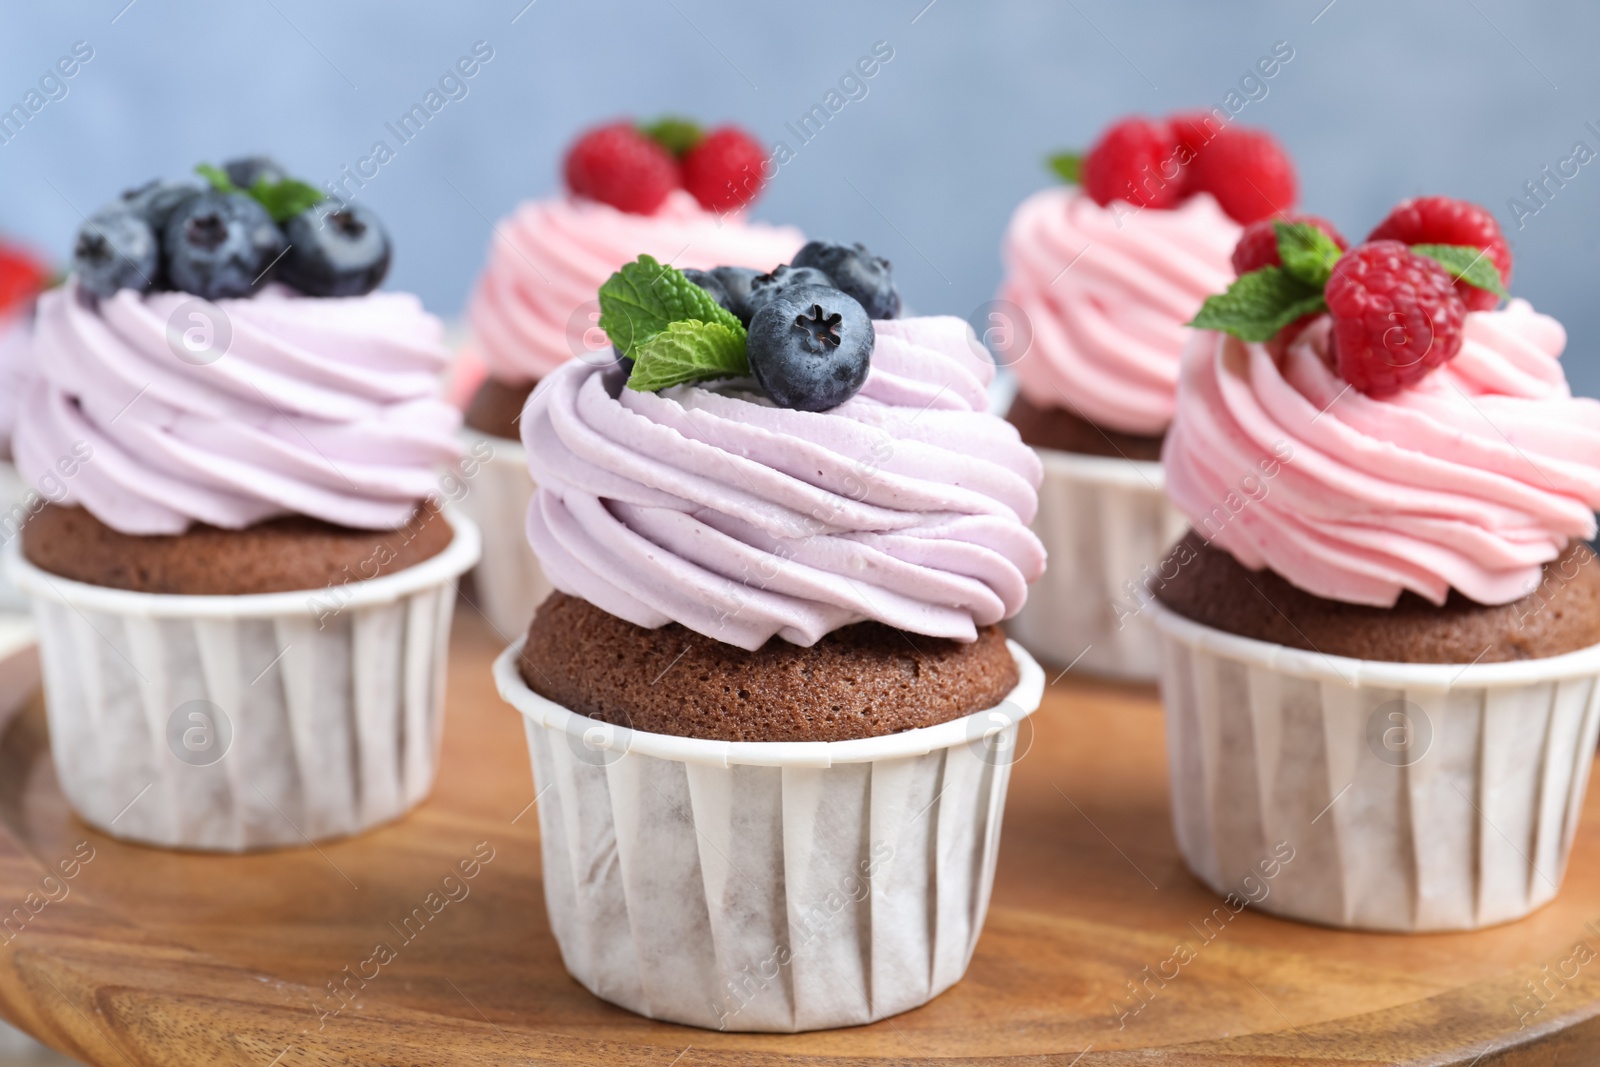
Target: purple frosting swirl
[(710, 507)]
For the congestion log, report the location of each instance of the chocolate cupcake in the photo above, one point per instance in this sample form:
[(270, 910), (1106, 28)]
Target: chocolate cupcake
[(1382, 637), (653, 189), (772, 675), (1103, 276), (243, 576)]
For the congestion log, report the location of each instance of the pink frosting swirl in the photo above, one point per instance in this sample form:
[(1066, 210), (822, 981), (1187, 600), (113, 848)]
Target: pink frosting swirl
[(1107, 291), (535, 308), (907, 504), (319, 407), (1471, 478)]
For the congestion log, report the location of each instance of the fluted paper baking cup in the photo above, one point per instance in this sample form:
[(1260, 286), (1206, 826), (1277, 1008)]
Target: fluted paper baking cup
[(769, 886), (228, 723), (509, 582), (1410, 797), (1104, 522)]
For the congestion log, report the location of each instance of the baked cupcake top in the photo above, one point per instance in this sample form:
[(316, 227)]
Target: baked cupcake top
[(786, 468), (220, 357), (1108, 272), (1397, 440), (668, 190)]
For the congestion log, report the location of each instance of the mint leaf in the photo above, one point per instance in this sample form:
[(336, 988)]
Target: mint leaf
[(645, 297), (1306, 252), (674, 134), (1259, 304), (283, 200), (1068, 167), (688, 351), (286, 199), (1471, 265), (218, 178)]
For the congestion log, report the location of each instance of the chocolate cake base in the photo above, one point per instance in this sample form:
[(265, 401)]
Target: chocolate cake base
[(276, 556), (1064, 431), (1213, 588), (864, 680), (496, 408)]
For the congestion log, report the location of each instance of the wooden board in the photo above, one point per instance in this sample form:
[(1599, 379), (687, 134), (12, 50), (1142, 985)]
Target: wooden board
[(150, 957)]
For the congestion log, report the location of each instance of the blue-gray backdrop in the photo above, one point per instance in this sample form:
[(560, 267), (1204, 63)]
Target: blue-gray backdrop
[(924, 161)]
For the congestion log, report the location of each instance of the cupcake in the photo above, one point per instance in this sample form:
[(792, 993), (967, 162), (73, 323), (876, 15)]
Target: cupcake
[(770, 709), (21, 278), (1381, 637), (668, 190), (243, 578), (1102, 276)]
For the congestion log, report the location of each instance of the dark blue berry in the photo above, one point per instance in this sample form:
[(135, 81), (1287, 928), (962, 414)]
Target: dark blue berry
[(709, 282), (736, 282), (764, 286), (221, 245), (856, 271), (156, 201), (335, 253), (245, 172), (116, 249), (810, 347)]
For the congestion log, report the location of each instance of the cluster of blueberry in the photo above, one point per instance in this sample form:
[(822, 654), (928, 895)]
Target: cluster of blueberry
[(810, 320), (254, 224)]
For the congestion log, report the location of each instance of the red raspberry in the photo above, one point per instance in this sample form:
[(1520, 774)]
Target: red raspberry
[(724, 171), (620, 166), (1441, 220), (1127, 163), (1396, 316), (1258, 245), (21, 278), (1247, 171)]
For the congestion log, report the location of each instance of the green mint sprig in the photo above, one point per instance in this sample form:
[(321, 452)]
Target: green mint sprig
[(1261, 302), (1469, 264), (677, 135), (674, 331), (283, 200), (1068, 166)]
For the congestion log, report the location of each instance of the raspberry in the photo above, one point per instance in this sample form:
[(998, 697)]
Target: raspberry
[(1127, 164), (1258, 244), (724, 171), (1440, 220), (620, 166), (1396, 316), (1247, 171), (21, 278)]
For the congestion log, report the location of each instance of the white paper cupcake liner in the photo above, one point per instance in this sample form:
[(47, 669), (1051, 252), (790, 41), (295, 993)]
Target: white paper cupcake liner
[(509, 582), (1103, 522), (229, 723), (769, 886), (1413, 797)]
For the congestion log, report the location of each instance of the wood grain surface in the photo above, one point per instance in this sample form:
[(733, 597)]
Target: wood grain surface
[(149, 957)]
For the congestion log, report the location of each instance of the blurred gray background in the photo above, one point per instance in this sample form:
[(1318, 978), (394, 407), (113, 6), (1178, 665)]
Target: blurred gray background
[(1381, 100)]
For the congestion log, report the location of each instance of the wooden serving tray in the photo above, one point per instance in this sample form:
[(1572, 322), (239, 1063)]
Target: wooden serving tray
[(150, 957)]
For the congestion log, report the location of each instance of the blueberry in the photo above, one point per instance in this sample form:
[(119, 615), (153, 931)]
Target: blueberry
[(344, 252), (736, 282), (858, 272), (710, 283), (157, 200), (763, 286), (810, 347), (116, 249), (220, 245), (248, 170)]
